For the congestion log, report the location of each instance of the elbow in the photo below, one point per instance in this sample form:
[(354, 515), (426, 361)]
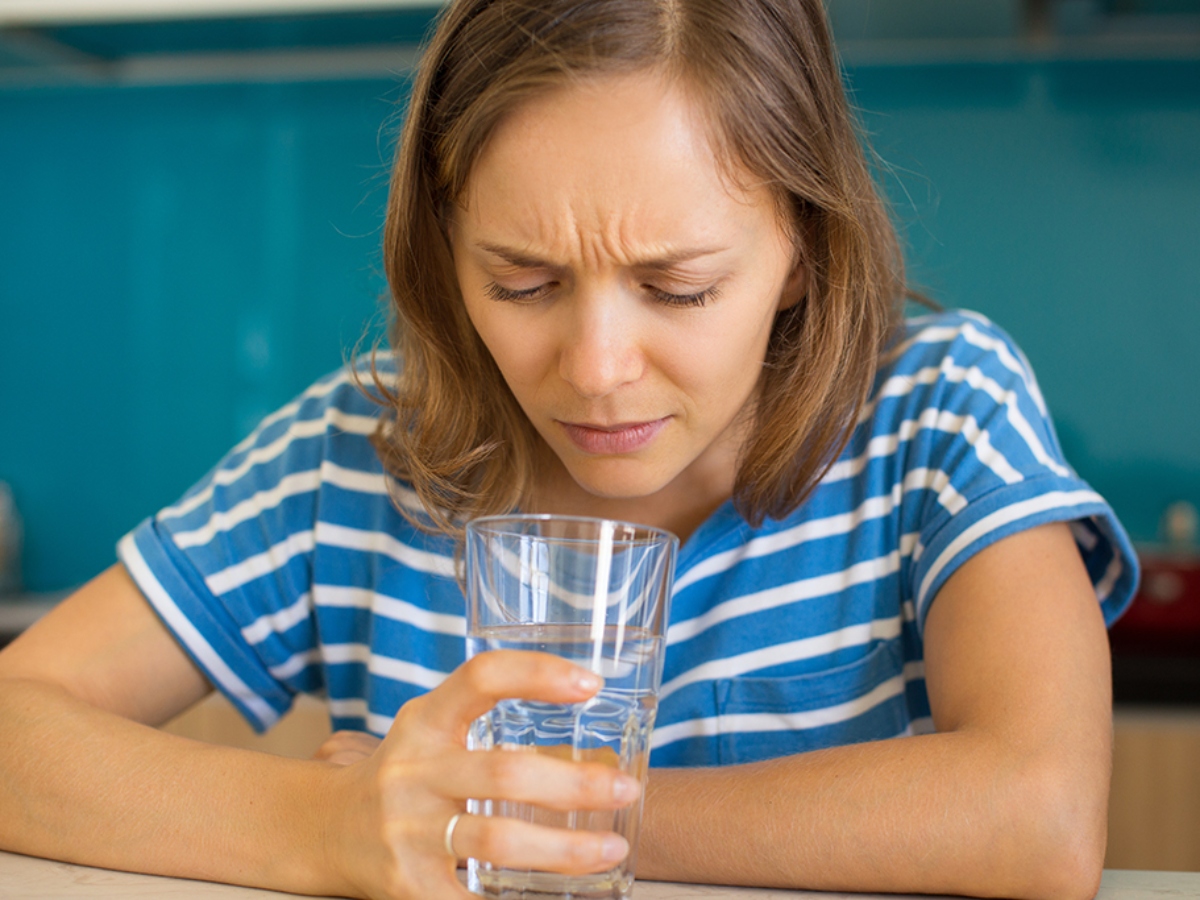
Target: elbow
[(1064, 828), (1071, 871)]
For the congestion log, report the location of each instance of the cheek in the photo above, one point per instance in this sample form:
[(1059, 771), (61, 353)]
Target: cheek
[(725, 357), (514, 346)]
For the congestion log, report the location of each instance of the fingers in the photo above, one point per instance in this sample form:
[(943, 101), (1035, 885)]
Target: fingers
[(525, 776), (484, 680), (423, 768), (515, 844)]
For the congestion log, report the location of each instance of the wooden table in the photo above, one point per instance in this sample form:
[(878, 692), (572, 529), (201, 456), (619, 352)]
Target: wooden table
[(27, 878)]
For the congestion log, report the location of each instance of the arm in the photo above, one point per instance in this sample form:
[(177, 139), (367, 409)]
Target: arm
[(84, 778), (1009, 797), (88, 779)]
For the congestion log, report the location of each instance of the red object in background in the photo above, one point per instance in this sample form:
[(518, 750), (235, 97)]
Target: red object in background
[(1165, 615)]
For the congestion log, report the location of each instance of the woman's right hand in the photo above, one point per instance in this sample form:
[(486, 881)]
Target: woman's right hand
[(388, 813)]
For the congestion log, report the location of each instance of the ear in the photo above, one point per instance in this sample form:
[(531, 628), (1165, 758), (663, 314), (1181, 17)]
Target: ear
[(795, 288)]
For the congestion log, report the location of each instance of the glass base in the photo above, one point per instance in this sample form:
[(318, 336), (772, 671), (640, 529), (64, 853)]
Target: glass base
[(516, 884)]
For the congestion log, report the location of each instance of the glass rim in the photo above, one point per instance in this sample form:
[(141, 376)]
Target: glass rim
[(642, 532)]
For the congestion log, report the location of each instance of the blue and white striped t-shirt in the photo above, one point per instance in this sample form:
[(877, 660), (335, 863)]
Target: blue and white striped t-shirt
[(287, 569)]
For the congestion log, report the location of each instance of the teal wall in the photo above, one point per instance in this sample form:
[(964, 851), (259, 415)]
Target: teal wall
[(177, 261), (174, 264), (1063, 201)]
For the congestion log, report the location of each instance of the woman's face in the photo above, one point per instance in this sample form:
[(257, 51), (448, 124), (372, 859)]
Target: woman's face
[(625, 287)]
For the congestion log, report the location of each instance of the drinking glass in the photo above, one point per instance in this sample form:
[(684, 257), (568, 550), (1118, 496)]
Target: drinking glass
[(596, 592)]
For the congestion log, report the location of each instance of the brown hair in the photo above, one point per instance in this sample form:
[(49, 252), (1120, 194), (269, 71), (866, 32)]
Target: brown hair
[(768, 75)]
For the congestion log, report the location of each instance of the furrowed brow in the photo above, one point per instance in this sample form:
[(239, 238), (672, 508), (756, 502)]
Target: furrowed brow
[(523, 260), (515, 257), (671, 260)]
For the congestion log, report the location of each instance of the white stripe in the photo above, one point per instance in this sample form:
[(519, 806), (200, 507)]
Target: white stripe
[(804, 589), (383, 666), (250, 508), (981, 441), (938, 334), (296, 663), (805, 648), (377, 542), (409, 673), (196, 642), (273, 558), (362, 482), (349, 707), (998, 519), (390, 608), (1104, 587), (366, 482), (320, 389), (922, 725), (278, 622), (903, 385), (795, 721), (356, 708), (351, 424), (290, 485), (1018, 364), (972, 335), (841, 523), (918, 550), (931, 418), (1018, 367), (328, 654), (378, 724), (1021, 425), (278, 555), (1084, 536)]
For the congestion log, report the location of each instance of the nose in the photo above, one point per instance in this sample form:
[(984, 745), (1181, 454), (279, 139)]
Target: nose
[(601, 349)]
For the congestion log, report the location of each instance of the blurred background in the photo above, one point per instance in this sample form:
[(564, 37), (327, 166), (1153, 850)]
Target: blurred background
[(191, 195), (192, 192)]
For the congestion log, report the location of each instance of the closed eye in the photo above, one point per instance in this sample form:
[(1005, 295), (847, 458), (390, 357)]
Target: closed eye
[(533, 294), (497, 292), (697, 299)]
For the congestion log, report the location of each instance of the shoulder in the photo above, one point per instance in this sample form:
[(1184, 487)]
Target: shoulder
[(354, 390), (958, 362), (320, 439), (960, 336), (346, 402)]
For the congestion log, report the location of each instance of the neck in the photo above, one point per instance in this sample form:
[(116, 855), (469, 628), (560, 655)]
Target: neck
[(680, 507)]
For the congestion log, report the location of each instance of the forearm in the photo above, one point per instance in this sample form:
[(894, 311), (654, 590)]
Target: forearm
[(948, 813), (87, 786)]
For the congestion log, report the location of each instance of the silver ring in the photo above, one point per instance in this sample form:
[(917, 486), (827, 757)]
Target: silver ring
[(448, 839)]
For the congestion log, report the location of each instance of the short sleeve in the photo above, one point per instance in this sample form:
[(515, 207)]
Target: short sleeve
[(229, 568), (985, 445)]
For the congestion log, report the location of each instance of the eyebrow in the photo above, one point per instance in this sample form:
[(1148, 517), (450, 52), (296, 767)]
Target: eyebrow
[(523, 260)]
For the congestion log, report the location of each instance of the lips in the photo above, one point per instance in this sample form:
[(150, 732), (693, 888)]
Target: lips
[(604, 440)]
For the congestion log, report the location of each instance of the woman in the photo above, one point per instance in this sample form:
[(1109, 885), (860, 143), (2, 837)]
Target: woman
[(639, 271)]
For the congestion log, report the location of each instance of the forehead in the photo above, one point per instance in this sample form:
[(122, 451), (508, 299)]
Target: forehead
[(627, 155)]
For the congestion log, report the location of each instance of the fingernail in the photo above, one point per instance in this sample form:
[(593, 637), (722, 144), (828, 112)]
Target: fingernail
[(588, 681), (614, 848), (625, 788)]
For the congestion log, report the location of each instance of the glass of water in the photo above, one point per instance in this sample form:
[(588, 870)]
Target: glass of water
[(596, 592)]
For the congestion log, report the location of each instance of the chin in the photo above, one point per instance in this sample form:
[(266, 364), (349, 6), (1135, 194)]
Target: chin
[(619, 485)]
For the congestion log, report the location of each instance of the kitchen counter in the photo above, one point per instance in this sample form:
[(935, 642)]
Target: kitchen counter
[(26, 877)]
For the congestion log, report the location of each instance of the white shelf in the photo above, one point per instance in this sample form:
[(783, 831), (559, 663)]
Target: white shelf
[(33, 13)]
